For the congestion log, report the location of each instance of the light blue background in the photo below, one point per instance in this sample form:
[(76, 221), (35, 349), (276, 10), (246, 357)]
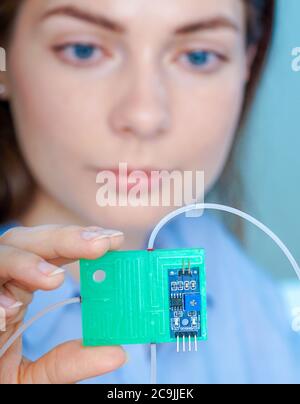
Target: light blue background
[(270, 151)]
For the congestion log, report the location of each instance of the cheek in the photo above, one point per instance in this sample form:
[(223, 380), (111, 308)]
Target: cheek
[(209, 122), (44, 110), (54, 133)]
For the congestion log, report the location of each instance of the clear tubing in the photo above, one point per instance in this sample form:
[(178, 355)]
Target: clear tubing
[(25, 327), (153, 364), (223, 208)]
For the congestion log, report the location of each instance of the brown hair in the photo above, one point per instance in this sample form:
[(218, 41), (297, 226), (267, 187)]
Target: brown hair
[(16, 183)]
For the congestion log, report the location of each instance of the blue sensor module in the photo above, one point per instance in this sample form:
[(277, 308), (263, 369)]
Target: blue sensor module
[(185, 306)]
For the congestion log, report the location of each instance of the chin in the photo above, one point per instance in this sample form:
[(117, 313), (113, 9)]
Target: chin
[(135, 218)]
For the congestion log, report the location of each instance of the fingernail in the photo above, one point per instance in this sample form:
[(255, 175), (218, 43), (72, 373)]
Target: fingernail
[(99, 235), (92, 235), (59, 271), (50, 270), (113, 233), (9, 303)]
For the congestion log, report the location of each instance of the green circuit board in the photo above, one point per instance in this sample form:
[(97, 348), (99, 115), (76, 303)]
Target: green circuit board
[(143, 297)]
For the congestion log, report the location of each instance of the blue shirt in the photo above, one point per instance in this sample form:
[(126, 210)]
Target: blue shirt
[(249, 340)]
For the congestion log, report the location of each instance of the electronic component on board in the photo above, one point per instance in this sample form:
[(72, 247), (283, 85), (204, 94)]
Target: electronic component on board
[(187, 328), (144, 297)]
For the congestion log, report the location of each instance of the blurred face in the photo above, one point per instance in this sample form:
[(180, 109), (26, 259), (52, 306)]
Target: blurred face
[(156, 84)]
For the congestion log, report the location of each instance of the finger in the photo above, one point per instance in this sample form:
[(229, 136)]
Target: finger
[(68, 242), (19, 293), (27, 270), (16, 300), (71, 363)]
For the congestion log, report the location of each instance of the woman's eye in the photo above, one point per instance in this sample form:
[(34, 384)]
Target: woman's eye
[(81, 54), (201, 60)]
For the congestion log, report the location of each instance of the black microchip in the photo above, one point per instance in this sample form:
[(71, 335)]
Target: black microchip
[(177, 302)]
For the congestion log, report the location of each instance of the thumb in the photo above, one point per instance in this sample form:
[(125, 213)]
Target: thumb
[(71, 363)]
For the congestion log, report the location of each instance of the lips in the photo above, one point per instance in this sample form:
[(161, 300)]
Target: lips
[(127, 178)]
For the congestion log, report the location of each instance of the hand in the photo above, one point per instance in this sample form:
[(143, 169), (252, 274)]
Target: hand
[(31, 259)]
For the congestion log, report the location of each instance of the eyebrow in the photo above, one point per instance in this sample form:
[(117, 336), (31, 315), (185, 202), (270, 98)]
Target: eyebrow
[(219, 22), (99, 20)]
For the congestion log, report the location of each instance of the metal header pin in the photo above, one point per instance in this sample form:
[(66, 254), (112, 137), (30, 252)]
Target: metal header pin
[(196, 344), (190, 344)]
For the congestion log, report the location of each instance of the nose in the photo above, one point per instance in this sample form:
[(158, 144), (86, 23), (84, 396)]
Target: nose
[(142, 109)]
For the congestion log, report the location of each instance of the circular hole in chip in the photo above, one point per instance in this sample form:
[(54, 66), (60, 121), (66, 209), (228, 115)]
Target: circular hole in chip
[(99, 276)]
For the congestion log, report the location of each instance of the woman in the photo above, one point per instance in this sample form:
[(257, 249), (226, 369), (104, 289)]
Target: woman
[(158, 85)]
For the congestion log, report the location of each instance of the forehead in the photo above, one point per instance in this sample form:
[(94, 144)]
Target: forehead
[(165, 14)]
